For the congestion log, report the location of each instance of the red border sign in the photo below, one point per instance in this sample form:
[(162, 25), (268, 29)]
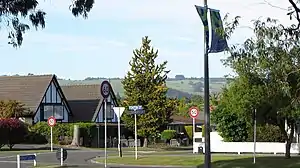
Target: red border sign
[(193, 112), (51, 121)]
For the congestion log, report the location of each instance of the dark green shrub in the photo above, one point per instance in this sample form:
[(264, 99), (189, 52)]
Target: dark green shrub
[(266, 133), (168, 134), (87, 130)]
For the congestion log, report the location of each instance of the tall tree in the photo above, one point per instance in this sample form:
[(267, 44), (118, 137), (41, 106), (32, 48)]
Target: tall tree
[(145, 85), (13, 11), (270, 61), (12, 109)]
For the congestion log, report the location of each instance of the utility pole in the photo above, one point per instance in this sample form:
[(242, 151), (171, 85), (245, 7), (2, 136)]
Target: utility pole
[(207, 160)]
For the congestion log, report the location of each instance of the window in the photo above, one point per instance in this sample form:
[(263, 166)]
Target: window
[(53, 110), (110, 112)]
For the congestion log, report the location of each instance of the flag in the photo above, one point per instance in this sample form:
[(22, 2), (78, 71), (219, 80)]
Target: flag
[(218, 41), (202, 11)]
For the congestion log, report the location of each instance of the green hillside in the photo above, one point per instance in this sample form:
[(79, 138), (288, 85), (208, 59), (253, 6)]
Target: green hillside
[(177, 88)]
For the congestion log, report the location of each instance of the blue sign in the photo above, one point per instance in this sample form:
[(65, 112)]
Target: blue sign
[(136, 110), (27, 157)]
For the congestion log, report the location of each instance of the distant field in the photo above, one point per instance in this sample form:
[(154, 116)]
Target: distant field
[(179, 85)]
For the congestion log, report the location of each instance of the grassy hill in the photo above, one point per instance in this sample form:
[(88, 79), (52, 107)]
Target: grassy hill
[(177, 88)]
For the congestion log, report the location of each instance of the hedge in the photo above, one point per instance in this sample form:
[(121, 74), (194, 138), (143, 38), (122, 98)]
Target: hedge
[(189, 131), (168, 134), (266, 133), (12, 131), (40, 132)]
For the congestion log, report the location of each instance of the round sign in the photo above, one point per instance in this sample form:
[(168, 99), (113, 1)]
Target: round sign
[(51, 121), (105, 89), (58, 154), (194, 112)]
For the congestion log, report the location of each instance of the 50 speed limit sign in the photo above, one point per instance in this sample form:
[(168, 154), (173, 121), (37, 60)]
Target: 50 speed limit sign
[(51, 121), (194, 112)]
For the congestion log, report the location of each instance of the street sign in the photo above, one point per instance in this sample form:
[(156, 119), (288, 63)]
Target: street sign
[(194, 112), (27, 157), (51, 121), (61, 153), (136, 110), (105, 89), (119, 111)]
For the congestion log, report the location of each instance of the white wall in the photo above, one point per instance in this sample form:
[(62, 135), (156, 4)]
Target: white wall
[(219, 146)]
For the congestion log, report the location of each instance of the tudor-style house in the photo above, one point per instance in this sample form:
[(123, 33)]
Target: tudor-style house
[(41, 94), (87, 104)]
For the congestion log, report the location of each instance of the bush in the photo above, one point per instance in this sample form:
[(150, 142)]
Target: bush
[(189, 131), (87, 130), (168, 134), (266, 133), (13, 131)]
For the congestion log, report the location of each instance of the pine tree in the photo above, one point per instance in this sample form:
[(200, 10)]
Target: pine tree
[(145, 85)]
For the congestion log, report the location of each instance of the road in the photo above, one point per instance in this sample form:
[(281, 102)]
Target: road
[(79, 158)]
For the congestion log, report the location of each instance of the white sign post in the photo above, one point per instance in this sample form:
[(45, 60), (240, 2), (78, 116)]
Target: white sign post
[(119, 111), (105, 92), (136, 110), (51, 122), (194, 112)]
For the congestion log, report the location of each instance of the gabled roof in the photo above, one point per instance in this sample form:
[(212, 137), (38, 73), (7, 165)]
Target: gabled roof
[(27, 89), (187, 120), (83, 100)]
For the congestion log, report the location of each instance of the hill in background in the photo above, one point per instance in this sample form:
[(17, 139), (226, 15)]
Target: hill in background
[(178, 86)]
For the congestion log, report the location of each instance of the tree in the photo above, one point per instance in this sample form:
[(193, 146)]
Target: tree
[(13, 11), (145, 85), (12, 109), (268, 66)]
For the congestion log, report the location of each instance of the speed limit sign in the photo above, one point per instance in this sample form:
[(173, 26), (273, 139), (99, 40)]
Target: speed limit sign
[(194, 112), (105, 89), (51, 121)]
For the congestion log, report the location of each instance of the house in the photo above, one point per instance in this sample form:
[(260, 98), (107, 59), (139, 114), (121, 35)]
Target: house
[(180, 121), (87, 104), (41, 94)]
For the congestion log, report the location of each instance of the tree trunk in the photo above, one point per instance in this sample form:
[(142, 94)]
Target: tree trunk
[(288, 149), (75, 141), (145, 142), (289, 141)]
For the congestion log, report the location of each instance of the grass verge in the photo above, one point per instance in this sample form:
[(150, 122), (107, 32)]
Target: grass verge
[(217, 161)]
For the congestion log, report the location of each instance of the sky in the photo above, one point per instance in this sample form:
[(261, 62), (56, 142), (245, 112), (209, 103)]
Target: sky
[(102, 45)]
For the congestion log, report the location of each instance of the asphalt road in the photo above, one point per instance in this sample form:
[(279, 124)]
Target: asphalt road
[(76, 158)]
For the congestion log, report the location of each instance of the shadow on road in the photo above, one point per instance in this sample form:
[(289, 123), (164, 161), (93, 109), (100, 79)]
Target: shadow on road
[(261, 162)]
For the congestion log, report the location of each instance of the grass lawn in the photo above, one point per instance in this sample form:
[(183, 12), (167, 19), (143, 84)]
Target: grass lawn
[(218, 161)]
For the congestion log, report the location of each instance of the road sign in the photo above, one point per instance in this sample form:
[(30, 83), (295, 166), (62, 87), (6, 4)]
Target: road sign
[(105, 89), (27, 157), (194, 112), (61, 154), (51, 121), (119, 111), (136, 110)]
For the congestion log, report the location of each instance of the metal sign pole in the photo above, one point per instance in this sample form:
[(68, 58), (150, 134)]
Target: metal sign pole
[(119, 134), (254, 138), (105, 132), (51, 139), (135, 136), (194, 131)]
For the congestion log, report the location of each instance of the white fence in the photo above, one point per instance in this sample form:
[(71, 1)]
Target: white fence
[(218, 146)]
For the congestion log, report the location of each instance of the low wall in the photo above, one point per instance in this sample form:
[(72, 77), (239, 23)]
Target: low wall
[(218, 146)]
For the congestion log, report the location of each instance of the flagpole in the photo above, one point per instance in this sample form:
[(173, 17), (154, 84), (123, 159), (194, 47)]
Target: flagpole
[(207, 160)]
